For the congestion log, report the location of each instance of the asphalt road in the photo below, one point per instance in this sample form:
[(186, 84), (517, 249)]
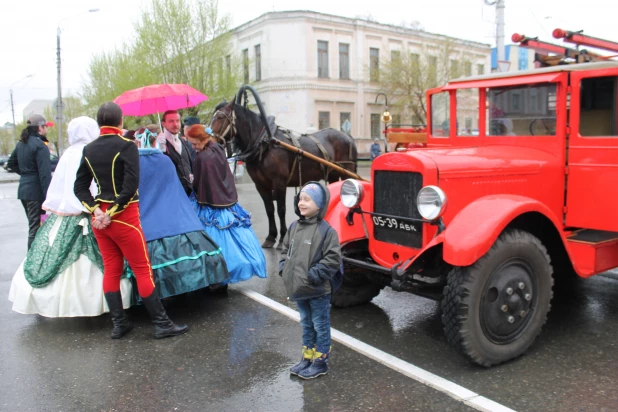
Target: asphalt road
[(236, 356)]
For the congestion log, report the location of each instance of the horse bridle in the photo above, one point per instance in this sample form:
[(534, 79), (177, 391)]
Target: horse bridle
[(231, 126)]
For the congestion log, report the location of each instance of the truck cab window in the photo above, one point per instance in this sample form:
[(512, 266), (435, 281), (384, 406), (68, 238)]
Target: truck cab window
[(598, 107), (467, 112), (522, 110), (440, 113)]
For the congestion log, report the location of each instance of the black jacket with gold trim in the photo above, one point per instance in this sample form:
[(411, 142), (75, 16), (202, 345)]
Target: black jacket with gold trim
[(113, 162)]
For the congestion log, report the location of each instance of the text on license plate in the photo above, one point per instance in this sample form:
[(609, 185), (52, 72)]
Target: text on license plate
[(392, 223)]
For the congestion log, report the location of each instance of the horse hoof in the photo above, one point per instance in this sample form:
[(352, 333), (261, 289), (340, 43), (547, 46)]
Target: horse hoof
[(280, 246), (268, 244)]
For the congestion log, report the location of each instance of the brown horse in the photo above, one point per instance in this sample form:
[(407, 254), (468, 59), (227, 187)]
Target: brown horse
[(273, 168)]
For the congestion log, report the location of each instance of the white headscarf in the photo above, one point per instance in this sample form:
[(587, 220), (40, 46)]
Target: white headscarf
[(60, 197)]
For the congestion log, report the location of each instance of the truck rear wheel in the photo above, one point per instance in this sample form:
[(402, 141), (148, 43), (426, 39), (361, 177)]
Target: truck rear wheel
[(356, 289), (493, 310)]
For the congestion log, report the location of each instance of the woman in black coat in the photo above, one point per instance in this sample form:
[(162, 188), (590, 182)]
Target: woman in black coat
[(31, 161)]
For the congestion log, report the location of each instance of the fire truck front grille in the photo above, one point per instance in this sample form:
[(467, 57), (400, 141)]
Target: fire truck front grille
[(395, 195)]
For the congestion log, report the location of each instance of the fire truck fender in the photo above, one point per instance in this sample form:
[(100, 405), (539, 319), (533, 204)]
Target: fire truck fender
[(337, 213), (474, 230)]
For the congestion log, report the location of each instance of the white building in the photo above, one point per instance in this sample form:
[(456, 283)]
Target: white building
[(312, 69), (37, 107)]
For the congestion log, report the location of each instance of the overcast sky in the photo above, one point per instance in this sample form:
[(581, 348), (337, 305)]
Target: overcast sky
[(28, 30)]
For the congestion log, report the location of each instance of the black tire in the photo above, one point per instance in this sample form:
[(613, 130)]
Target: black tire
[(356, 289), (475, 297)]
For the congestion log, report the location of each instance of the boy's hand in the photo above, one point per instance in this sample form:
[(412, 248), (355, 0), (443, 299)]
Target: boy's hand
[(314, 279)]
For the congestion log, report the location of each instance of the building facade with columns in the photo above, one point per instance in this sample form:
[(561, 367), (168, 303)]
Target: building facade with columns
[(314, 70)]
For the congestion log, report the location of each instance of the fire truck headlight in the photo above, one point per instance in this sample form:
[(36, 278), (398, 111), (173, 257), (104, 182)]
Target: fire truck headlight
[(431, 202), (352, 193)]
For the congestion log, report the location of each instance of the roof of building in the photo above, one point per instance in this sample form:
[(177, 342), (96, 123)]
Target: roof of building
[(354, 21)]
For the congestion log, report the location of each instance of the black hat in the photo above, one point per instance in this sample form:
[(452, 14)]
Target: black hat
[(191, 120)]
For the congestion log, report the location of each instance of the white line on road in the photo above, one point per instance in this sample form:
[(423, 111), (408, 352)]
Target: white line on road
[(453, 390)]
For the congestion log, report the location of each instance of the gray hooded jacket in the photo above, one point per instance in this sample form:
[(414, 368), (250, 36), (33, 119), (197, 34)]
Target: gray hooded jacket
[(305, 267)]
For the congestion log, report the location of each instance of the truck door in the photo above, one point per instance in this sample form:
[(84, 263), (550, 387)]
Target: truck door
[(592, 151)]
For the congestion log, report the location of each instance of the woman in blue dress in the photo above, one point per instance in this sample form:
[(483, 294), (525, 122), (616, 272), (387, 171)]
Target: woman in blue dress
[(216, 202), (183, 257)]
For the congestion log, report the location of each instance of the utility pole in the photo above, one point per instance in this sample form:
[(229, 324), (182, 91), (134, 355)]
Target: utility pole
[(59, 104), (500, 29), (13, 107), (13, 110), (500, 6)]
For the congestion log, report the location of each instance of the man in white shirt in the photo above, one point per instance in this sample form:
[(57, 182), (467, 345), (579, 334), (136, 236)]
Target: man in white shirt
[(177, 148)]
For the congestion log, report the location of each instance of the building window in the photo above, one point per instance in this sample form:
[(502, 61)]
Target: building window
[(245, 65), (323, 120), (468, 69), (374, 65), (432, 76), (480, 68), (258, 63), (395, 55), (396, 120), (415, 59), (322, 59), (345, 122), (344, 61), (375, 125), (454, 68), (228, 63)]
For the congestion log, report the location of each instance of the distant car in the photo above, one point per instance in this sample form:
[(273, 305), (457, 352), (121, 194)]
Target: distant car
[(3, 160), (52, 157), (54, 161)]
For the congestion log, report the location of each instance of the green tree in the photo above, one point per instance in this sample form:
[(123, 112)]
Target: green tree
[(7, 141), (73, 107), (175, 41)]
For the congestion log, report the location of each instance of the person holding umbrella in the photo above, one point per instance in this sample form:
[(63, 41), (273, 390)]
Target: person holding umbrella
[(178, 149), (113, 162)]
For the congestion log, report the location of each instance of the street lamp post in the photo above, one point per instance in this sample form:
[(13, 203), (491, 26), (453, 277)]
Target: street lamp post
[(386, 118), (13, 107), (59, 103)]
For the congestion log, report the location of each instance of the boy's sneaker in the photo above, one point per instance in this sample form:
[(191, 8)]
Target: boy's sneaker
[(318, 367), (304, 362)]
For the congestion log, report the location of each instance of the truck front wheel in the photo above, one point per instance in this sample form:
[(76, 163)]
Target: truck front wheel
[(356, 289), (493, 310)]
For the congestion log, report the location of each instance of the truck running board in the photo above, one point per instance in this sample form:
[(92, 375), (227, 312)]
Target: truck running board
[(593, 251)]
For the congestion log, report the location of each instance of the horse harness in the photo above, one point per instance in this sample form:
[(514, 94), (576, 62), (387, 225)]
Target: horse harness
[(295, 138), (231, 126)]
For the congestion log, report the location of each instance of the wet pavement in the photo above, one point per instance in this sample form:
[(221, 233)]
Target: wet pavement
[(236, 356)]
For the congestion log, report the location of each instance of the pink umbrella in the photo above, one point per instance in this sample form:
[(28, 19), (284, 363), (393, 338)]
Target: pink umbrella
[(158, 98)]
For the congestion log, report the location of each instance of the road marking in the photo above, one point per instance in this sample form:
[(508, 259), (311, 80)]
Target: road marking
[(457, 392)]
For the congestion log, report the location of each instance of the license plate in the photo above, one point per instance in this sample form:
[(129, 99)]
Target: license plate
[(393, 223)]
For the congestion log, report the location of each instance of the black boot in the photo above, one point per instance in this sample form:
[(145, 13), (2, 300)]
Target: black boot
[(164, 327), (121, 323)]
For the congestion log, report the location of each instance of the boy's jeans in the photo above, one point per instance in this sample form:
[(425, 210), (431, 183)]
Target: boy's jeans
[(315, 321)]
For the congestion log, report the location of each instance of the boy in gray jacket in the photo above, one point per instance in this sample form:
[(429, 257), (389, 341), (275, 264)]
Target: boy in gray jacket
[(310, 259)]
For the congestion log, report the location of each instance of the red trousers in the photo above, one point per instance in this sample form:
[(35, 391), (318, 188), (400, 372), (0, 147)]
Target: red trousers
[(124, 238)]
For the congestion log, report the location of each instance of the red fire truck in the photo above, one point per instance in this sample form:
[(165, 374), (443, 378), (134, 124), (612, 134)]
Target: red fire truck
[(485, 223)]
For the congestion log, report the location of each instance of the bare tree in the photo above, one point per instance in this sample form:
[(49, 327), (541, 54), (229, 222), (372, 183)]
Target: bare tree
[(407, 76)]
